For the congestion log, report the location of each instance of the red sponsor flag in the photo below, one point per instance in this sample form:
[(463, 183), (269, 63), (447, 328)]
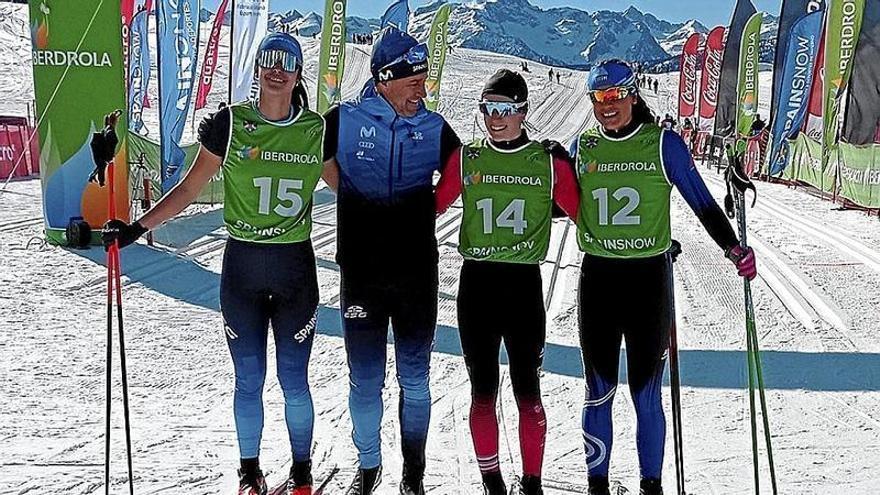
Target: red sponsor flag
[(709, 85), (813, 122), (687, 83), (209, 64), (126, 9)]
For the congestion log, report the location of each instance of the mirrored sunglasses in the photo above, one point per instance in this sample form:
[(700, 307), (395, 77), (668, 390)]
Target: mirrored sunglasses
[(502, 108), (269, 59), (611, 94), (415, 55)]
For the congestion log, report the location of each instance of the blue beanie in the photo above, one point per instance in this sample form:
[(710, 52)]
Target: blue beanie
[(390, 46), (610, 73)]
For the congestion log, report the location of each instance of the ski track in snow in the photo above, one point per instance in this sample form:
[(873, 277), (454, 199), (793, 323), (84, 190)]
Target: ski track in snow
[(816, 304)]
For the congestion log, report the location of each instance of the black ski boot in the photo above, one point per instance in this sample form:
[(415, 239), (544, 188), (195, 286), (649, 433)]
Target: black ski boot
[(300, 480), (365, 481), (250, 478), (411, 479), (598, 486), (650, 486), (527, 485), (493, 484), (412, 487)]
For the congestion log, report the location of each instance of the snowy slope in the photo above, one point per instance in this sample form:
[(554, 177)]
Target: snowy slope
[(673, 44), (816, 303)]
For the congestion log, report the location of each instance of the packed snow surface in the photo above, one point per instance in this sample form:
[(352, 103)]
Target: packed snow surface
[(816, 300)]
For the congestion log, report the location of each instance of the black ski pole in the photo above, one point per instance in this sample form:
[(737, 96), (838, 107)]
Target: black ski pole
[(676, 411), (125, 403), (675, 382)]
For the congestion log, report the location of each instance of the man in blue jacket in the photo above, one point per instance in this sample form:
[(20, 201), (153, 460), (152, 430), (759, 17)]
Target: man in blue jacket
[(386, 147)]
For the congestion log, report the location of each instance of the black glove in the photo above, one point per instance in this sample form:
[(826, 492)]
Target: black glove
[(117, 230), (556, 150)]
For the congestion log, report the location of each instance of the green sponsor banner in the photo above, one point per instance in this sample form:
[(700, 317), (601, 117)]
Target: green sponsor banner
[(806, 164), (145, 157), (332, 58), (437, 45), (747, 87), (78, 78), (859, 173), (844, 21)]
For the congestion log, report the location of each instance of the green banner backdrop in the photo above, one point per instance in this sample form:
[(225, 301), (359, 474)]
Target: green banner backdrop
[(78, 78)]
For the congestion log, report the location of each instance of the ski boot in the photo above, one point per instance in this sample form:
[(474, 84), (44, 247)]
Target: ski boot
[(650, 486), (527, 485), (493, 484), (412, 488), (300, 480), (251, 482), (598, 486), (365, 481)]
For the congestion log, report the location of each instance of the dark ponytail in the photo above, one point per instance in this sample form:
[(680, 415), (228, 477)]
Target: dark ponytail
[(298, 97), (641, 113)]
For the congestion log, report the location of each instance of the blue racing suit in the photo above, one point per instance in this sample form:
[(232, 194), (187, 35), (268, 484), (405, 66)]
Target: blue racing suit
[(387, 253)]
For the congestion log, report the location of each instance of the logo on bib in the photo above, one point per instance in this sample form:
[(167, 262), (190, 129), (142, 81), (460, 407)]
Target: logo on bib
[(588, 168), (255, 153), (474, 178), (249, 152)]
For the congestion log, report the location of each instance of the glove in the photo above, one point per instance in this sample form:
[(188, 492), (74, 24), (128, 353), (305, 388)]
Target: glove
[(744, 259), (555, 149), (124, 233)]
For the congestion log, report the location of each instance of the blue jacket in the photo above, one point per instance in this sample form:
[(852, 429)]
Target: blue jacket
[(384, 157)]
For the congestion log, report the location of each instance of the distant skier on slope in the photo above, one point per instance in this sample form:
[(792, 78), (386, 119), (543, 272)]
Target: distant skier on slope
[(505, 233), (268, 273), (386, 147), (626, 168)]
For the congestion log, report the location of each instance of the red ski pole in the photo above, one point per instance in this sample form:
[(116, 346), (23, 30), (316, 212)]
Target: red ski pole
[(115, 275)]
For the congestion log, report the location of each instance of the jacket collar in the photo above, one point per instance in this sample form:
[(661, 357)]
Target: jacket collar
[(376, 105)]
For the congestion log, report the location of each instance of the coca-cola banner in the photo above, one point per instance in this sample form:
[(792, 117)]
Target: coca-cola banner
[(710, 79), (687, 82)]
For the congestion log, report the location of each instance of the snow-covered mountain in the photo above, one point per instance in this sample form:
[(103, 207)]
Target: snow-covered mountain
[(674, 42), (560, 36), (563, 36), (292, 21)]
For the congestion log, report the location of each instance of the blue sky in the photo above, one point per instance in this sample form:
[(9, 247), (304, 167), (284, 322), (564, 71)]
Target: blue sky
[(709, 12)]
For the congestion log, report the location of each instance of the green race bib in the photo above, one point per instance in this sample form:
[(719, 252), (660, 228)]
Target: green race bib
[(269, 174), (508, 200), (624, 210)]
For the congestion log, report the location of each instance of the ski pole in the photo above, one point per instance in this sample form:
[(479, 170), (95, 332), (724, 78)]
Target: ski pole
[(114, 270), (735, 205), (108, 394), (756, 377), (676, 411), (675, 382)]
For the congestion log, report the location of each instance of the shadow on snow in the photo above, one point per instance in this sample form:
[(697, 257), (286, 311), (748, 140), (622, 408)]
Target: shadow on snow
[(183, 279)]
